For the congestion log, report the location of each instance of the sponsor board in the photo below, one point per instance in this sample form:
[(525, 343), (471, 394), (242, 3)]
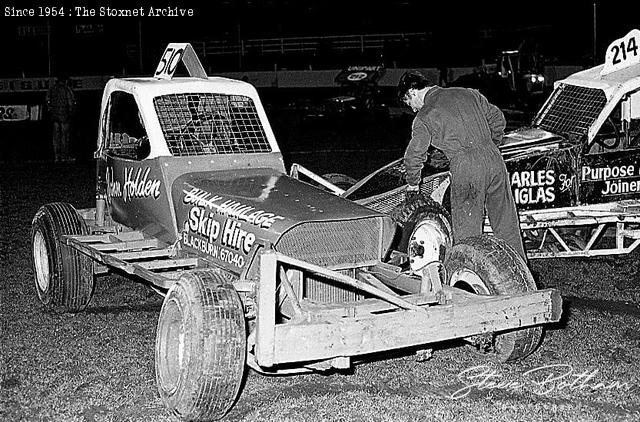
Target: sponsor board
[(43, 84), (223, 228), (135, 183), (356, 76), (19, 113), (533, 187), (612, 180), (231, 208), (545, 179), (566, 179), (360, 74)]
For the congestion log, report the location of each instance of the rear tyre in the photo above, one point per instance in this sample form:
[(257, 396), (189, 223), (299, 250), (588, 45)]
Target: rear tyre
[(63, 276), (200, 346), (486, 265)]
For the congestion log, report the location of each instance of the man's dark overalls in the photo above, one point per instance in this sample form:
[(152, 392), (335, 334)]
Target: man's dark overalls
[(466, 127)]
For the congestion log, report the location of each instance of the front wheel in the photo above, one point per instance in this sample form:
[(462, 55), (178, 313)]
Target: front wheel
[(486, 265), (200, 346), (412, 214), (63, 276)]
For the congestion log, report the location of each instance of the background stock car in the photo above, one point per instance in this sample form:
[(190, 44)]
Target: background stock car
[(575, 171)]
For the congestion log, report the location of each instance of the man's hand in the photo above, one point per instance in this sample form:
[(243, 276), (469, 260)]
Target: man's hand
[(411, 192)]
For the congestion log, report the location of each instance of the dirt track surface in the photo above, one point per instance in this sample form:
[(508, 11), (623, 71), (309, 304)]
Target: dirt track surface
[(98, 365)]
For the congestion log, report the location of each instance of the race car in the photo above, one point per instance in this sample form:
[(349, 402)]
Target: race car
[(575, 171), (260, 270)]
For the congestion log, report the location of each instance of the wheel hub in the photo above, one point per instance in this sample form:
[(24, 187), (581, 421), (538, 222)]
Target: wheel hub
[(468, 280), (172, 346), (41, 261), (425, 245)]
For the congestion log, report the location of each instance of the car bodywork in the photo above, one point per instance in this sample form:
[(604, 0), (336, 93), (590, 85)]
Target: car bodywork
[(575, 171), (212, 182), (191, 187)]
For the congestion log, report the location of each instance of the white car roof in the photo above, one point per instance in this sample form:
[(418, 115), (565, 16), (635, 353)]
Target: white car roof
[(624, 80), (145, 89), (617, 77), (153, 87)]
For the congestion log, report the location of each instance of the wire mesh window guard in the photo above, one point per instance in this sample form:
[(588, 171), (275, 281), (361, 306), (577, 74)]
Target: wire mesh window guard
[(207, 123), (571, 110)]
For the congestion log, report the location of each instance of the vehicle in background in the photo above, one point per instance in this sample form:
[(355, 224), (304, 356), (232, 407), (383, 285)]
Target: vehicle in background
[(521, 77), (359, 96), (515, 80), (574, 172), (360, 92)]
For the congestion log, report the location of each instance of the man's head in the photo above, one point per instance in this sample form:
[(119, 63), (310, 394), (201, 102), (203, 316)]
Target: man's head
[(411, 89)]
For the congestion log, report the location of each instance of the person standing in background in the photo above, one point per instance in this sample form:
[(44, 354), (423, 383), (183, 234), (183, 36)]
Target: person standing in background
[(61, 104)]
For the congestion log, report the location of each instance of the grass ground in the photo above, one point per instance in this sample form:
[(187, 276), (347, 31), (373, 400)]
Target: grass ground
[(98, 365)]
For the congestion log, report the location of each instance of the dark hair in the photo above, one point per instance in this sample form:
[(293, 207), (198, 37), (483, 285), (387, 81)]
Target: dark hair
[(411, 80)]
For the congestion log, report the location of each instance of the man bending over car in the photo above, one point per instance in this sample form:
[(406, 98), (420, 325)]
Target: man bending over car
[(467, 129)]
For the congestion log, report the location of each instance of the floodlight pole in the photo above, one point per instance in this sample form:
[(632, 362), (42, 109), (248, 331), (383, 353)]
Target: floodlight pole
[(140, 59), (594, 33), (240, 43), (48, 47)]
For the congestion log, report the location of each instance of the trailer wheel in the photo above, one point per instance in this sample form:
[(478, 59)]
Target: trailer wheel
[(410, 213), (63, 276), (200, 346), (486, 265)]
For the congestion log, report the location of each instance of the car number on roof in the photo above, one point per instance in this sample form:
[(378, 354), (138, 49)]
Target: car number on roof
[(622, 53), (173, 54)]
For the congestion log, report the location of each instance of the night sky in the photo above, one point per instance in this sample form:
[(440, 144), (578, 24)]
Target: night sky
[(458, 33)]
